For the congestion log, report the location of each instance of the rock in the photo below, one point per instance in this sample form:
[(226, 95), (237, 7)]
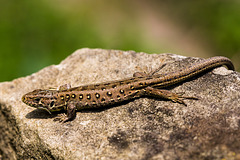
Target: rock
[(144, 128)]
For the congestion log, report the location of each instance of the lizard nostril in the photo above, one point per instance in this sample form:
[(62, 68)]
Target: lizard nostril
[(23, 98)]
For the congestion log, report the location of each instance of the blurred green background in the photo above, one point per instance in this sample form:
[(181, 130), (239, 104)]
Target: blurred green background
[(35, 34)]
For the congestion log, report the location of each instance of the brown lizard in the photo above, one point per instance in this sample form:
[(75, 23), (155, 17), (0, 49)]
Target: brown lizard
[(108, 93)]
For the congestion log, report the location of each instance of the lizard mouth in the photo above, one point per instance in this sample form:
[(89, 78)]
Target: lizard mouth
[(43, 108), (30, 102), (24, 99)]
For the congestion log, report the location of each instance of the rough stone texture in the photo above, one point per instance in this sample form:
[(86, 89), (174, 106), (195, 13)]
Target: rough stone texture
[(141, 129)]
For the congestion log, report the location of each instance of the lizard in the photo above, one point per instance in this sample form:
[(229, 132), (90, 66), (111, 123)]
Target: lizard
[(68, 99)]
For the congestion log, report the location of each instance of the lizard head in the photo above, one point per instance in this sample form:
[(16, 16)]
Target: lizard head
[(42, 99)]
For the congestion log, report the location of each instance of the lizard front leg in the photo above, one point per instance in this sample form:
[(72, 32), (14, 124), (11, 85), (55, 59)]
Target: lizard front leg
[(165, 94), (71, 113), (144, 74)]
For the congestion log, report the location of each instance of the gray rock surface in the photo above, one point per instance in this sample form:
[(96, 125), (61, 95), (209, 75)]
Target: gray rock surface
[(145, 128)]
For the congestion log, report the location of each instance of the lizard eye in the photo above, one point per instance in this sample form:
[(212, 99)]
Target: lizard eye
[(52, 104)]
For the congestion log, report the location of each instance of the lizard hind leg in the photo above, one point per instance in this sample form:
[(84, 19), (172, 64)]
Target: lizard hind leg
[(165, 94), (61, 88), (64, 87), (151, 73), (140, 74)]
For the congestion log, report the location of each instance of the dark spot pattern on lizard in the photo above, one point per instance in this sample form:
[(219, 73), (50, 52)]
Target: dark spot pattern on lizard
[(81, 96), (73, 96), (88, 96), (121, 91), (108, 93), (97, 95)]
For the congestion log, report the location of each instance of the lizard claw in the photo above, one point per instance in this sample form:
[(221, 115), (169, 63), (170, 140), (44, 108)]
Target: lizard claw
[(61, 118)]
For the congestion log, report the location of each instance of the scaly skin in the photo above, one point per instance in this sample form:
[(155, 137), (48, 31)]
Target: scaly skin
[(108, 93)]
